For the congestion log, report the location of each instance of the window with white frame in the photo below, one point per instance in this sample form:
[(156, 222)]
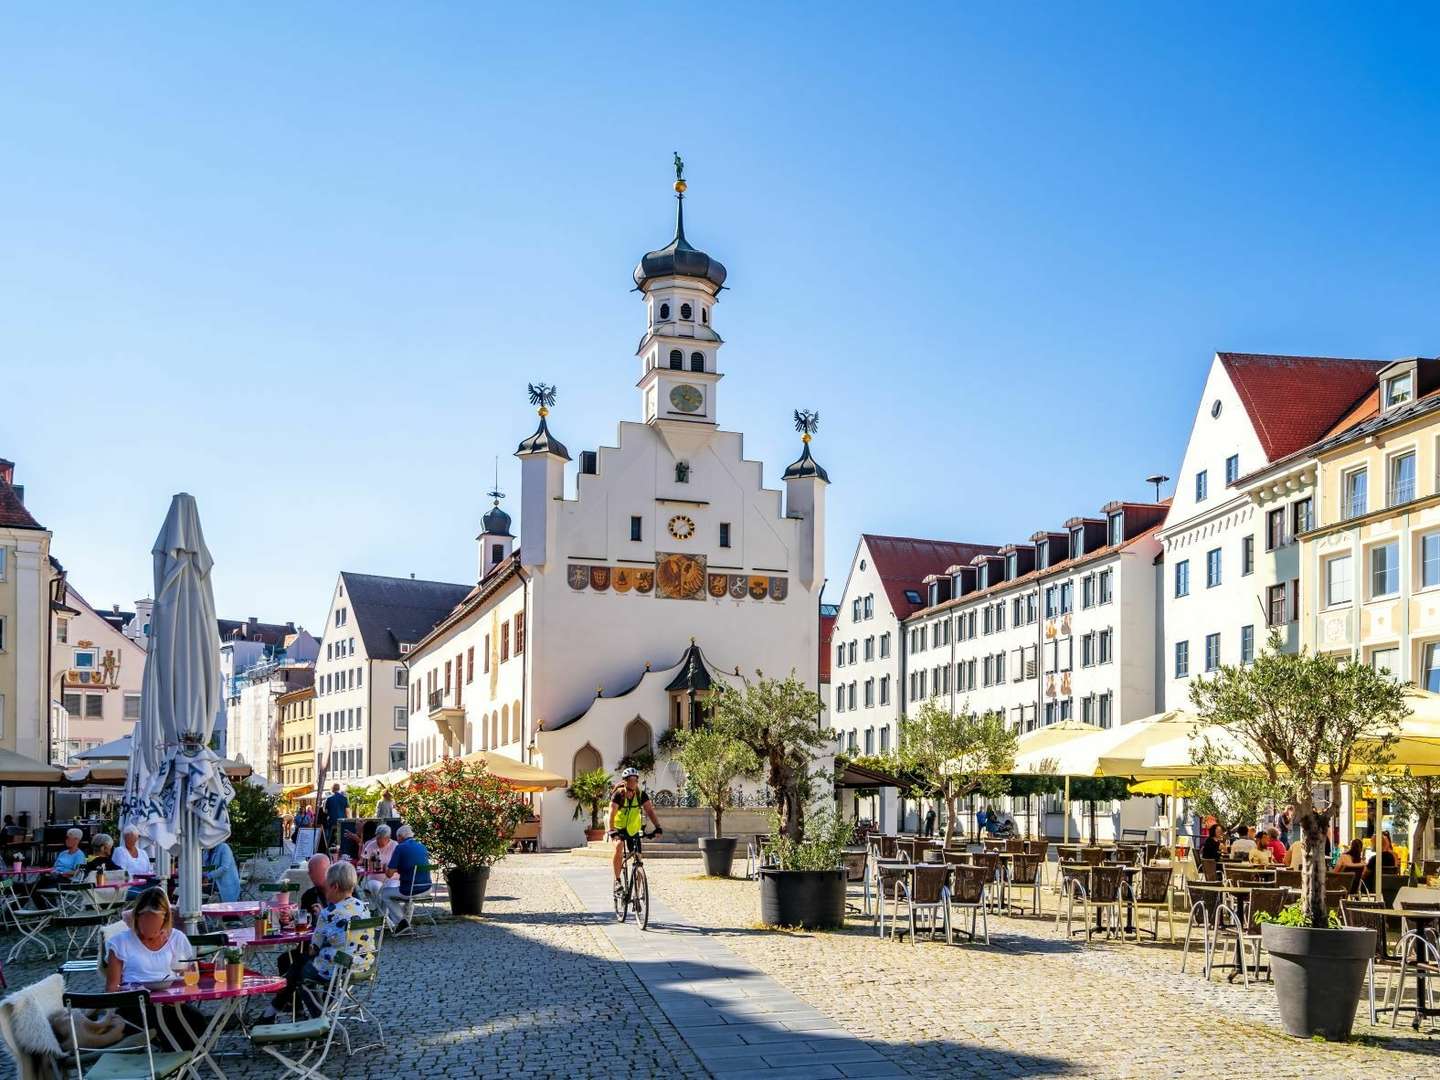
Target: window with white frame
[(1429, 560), (1247, 644), (1087, 650), (402, 718), (1232, 469), (1399, 389), (132, 707), (1385, 569), (1340, 580), (884, 645), (1386, 659), (1087, 591), (1401, 488), (1430, 676), (1105, 652), (1107, 585), (1355, 493)]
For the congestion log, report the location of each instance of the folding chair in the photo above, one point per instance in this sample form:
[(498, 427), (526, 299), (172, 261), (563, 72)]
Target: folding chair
[(128, 1063), (315, 1035), (356, 1008), (30, 922), (88, 923), (426, 904)]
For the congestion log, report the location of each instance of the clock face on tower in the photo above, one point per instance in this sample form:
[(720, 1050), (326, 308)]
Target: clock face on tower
[(687, 398)]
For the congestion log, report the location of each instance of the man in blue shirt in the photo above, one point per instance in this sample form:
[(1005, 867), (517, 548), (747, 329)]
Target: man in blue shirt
[(337, 806), (405, 880)]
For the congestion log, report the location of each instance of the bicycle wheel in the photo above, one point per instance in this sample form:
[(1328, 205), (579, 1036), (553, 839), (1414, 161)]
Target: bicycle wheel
[(622, 900), (640, 896)]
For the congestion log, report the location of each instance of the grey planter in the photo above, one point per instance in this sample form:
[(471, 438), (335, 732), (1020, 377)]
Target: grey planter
[(719, 854), (813, 899), (1319, 975)]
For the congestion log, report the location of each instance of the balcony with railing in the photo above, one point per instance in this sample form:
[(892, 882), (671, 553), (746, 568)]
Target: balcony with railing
[(436, 700), (1402, 490)]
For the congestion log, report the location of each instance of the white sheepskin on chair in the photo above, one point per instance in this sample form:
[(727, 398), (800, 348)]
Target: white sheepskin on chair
[(30, 1012)]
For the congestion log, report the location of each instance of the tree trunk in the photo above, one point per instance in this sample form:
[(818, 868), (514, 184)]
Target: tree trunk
[(717, 812), (950, 805), (1313, 826), (1417, 843)]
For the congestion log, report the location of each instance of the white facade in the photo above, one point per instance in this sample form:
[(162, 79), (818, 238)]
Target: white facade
[(668, 537), (865, 701), (95, 675)]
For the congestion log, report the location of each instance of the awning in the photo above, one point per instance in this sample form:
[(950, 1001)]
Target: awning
[(114, 750), (17, 770), (516, 774), (857, 776), (114, 775), (298, 792)]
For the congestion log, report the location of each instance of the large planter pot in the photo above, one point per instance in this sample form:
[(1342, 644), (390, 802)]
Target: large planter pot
[(1318, 977), (594, 834), (719, 854), (814, 899), (467, 890)]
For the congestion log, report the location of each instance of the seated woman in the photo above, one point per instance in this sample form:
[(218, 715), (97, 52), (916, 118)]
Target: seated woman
[(148, 951), (1388, 864), (220, 865), (102, 855), (132, 858), (332, 935)]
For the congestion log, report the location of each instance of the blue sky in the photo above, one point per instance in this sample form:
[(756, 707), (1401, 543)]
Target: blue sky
[(302, 262)]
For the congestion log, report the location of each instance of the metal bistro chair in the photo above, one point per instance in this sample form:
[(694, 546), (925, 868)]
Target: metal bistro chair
[(1154, 894), (1204, 907), (857, 868), (1246, 929), (315, 1035), (1363, 916), (969, 889), (356, 1006), (1287, 879), (127, 1062), (888, 876), (1024, 873), (29, 922), (991, 861), (1094, 856), (1418, 956), (1040, 848), (1015, 844), (927, 889), (82, 932)]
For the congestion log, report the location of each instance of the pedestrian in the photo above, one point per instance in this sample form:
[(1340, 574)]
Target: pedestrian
[(930, 822), (385, 808), (337, 808), (1286, 822)]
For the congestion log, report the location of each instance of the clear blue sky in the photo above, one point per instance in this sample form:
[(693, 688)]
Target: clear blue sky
[(301, 260)]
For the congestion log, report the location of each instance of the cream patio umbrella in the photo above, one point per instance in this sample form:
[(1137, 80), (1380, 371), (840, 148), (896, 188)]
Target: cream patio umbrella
[(175, 793), (1036, 754)]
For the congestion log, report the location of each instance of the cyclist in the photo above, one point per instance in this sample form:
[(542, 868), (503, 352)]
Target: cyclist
[(626, 807)]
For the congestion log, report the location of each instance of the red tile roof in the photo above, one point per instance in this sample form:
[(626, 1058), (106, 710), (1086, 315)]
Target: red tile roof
[(903, 562), (827, 630), (13, 514), (1294, 400)]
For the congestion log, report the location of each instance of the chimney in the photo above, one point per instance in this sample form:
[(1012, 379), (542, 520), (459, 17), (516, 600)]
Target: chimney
[(115, 609), (251, 629), (7, 471), (290, 626)]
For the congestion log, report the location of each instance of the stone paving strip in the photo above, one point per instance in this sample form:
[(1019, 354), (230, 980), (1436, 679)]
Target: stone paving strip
[(739, 1022)]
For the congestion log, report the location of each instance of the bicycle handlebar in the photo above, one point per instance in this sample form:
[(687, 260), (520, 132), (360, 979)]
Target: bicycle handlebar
[(616, 834)]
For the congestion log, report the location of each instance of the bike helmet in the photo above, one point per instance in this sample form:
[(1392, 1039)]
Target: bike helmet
[(627, 773)]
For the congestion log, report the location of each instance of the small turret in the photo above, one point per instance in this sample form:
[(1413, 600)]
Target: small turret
[(805, 483), (495, 539)]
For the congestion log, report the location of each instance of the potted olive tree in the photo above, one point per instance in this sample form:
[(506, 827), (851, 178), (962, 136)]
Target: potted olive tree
[(464, 815), (1306, 721), (778, 720), (591, 792), (955, 755), (712, 762)]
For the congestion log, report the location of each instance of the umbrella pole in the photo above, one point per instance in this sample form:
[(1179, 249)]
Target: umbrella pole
[(189, 890), (1065, 812), (1376, 837)]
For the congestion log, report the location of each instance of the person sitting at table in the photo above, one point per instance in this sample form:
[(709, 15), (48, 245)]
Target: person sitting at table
[(1388, 864), (312, 900), (1260, 855), (72, 858), (130, 856), (1352, 859), (1276, 845), (220, 865), (1242, 844), (103, 857), (147, 951), (332, 935), (11, 831), (410, 880), (1209, 847), (1295, 854)]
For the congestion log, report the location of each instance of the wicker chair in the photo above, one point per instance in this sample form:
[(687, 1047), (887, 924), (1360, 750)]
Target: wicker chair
[(1090, 887), (1024, 873), (1287, 879), (1092, 855), (1014, 844), (927, 889), (1419, 956), (1154, 894), (888, 876), (1247, 929), (1068, 852), (1363, 916), (970, 891), (1204, 910), (908, 849), (991, 861)]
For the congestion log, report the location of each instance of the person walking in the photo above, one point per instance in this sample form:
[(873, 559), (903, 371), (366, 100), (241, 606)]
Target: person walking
[(337, 808)]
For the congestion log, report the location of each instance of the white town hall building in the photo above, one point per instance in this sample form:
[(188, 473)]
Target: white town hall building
[(663, 567)]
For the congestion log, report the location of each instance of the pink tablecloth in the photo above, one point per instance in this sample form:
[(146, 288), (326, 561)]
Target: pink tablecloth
[(208, 990)]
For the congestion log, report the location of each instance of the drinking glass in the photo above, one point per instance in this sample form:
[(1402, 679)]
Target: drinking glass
[(190, 972)]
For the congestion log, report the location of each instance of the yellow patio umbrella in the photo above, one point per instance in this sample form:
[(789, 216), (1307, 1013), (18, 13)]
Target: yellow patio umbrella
[(516, 774), (1035, 753)]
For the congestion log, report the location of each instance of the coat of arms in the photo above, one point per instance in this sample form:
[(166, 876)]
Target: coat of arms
[(623, 579), (679, 577), (739, 586), (600, 578), (779, 588), (759, 586), (578, 576), (718, 586), (644, 580)]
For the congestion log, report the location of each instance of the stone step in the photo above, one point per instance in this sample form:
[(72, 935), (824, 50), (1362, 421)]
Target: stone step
[(654, 849)]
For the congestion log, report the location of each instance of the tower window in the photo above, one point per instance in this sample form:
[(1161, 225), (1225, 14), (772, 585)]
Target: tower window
[(724, 534), (635, 527), (497, 552), (664, 311), (677, 360), (697, 361), (705, 316), (686, 311)]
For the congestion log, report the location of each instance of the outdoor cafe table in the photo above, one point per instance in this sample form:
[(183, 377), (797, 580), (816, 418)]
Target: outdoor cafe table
[(231, 998), (243, 937), (1129, 870), (1240, 892), (232, 909)]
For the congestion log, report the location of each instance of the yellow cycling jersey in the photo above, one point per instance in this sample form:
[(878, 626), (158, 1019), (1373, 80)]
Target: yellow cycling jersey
[(629, 818)]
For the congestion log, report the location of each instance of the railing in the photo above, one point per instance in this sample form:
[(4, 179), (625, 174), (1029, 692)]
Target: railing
[(1402, 491), (436, 699), (1353, 505)]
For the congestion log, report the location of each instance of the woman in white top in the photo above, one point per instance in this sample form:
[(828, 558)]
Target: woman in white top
[(130, 856), (148, 952)]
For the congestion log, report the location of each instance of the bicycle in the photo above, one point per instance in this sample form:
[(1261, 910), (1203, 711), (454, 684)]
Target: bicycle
[(632, 891)]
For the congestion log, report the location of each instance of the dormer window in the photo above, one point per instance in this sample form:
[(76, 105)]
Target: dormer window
[(1399, 389), (1012, 566), (934, 593), (984, 575), (1117, 527), (677, 360), (687, 312), (664, 312), (1077, 542), (1042, 554)]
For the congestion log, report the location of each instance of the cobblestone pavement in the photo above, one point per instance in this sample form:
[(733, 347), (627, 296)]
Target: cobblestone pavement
[(546, 985)]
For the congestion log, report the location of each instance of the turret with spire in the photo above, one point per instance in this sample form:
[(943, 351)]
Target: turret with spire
[(495, 539), (679, 351), (542, 480), (805, 484)]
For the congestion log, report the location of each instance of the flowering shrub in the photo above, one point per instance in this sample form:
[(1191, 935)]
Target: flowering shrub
[(461, 813)]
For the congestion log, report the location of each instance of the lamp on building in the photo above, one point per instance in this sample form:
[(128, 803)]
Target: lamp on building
[(1157, 480)]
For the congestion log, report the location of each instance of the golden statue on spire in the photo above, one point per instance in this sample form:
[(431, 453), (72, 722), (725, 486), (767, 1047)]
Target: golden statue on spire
[(679, 174)]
